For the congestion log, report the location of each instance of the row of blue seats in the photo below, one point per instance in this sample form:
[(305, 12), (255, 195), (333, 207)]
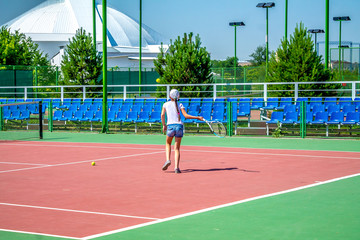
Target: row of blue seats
[(352, 118), (96, 116), (320, 118)]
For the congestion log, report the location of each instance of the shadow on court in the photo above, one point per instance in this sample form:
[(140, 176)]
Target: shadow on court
[(217, 169)]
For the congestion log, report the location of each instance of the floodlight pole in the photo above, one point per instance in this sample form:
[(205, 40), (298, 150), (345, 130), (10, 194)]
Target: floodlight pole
[(235, 62), (267, 6), (267, 41), (235, 24), (140, 45), (104, 42), (339, 45), (326, 34), (340, 19), (94, 22), (286, 18)]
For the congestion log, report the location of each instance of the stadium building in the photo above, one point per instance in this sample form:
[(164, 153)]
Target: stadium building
[(54, 22)]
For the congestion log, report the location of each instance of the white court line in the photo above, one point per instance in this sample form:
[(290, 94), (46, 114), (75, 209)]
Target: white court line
[(217, 207), (272, 154), (76, 211), (34, 164), (85, 161), (210, 151), (72, 146), (40, 234)]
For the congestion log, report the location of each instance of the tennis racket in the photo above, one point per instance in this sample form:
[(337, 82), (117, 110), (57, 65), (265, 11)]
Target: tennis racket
[(217, 128)]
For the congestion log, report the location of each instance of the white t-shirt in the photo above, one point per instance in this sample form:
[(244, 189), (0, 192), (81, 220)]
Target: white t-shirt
[(171, 112)]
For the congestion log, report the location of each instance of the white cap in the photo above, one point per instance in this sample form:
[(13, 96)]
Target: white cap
[(174, 94)]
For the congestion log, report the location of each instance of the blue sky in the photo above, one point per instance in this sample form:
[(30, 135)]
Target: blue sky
[(210, 19)]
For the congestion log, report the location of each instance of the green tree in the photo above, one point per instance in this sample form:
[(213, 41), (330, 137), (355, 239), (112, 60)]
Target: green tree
[(297, 61), (258, 57), (17, 49), (81, 63), (228, 63), (185, 62)]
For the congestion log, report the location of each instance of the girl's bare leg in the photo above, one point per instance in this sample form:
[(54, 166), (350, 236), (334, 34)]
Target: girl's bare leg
[(177, 151)]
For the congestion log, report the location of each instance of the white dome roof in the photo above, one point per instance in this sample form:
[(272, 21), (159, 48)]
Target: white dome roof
[(58, 20)]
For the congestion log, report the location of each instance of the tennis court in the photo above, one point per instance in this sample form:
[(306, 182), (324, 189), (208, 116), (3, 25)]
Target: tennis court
[(239, 188)]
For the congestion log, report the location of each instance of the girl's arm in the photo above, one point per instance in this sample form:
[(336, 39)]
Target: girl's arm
[(163, 119), (190, 116)]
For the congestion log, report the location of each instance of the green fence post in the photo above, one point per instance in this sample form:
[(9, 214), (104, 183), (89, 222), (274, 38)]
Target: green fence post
[(303, 119), (229, 119), (1, 119), (50, 117), (36, 81)]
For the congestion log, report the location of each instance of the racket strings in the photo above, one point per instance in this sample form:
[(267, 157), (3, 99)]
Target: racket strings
[(218, 128)]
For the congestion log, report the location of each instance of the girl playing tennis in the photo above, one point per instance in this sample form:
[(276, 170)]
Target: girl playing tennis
[(174, 127)]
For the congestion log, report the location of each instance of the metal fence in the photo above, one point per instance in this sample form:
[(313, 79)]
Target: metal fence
[(216, 90)]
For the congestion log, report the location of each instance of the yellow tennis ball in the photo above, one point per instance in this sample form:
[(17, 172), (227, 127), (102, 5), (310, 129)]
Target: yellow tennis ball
[(158, 80), (93, 164)]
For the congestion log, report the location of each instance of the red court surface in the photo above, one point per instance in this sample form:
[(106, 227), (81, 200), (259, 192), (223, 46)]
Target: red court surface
[(51, 188)]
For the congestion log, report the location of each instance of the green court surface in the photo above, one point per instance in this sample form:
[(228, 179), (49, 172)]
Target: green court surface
[(320, 212), (352, 145), (329, 211)]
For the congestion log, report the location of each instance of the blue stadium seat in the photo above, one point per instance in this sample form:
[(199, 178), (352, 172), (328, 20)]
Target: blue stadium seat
[(348, 108), (6, 114), (120, 117), (329, 101), (344, 101), (357, 103), (285, 101), (24, 115), (114, 108), (88, 116), (125, 108), (332, 108), (143, 117), (320, 118), (271, 103), (299, 100), (111, 116), (244, 111), (97, 117), (257, 103), (291, 118), (315, 101), (289, 108), (206, 115), (68, 115), (352, 118), (136, 108), (218, 116), (244, 101), (147, 108), (132, 117), (336, 118), (15, 115), (206, 107), (317, 108), (58, 115), (155, 117), (276, 117), (79, 115)]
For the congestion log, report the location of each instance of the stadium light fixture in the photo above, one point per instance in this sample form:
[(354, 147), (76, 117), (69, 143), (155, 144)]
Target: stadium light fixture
[(315, 32), (266, 6), (340, 19), (235, 24)]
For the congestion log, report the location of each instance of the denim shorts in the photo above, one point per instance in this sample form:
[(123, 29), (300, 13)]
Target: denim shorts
[(175, 130)]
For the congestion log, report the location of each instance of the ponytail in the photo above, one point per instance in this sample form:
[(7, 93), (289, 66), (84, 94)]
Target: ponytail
[(177, 109)]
